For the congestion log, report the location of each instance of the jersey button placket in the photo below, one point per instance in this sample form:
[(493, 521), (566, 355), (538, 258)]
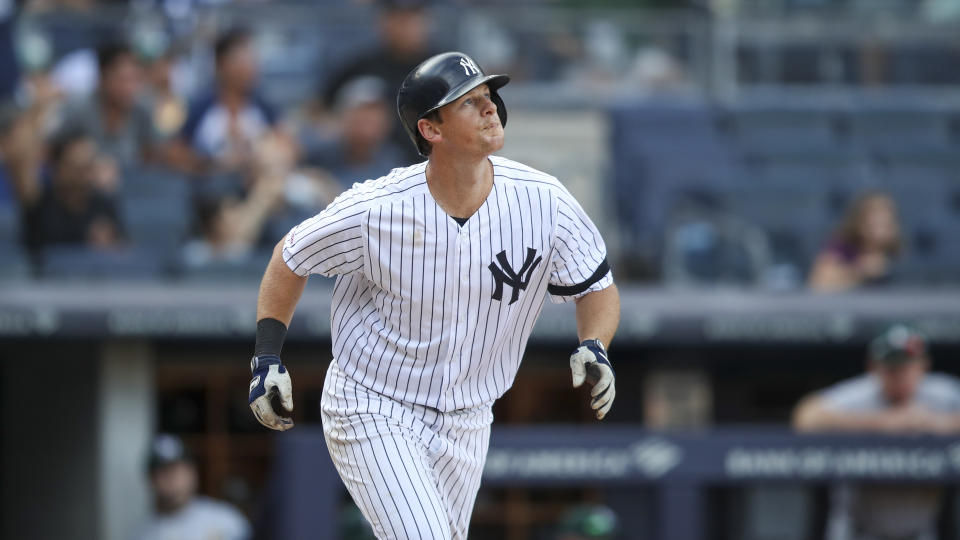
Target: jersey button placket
[(462, 257)]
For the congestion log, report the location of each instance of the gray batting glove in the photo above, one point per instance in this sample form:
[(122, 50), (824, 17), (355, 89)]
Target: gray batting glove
[(589, 363), (270, 378)]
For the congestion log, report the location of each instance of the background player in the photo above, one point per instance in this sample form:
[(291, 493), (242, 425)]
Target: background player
[(443, 268), (180, 512), (896, 396)]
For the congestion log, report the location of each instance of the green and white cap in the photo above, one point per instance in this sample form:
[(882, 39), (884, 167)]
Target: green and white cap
[(897, 345)]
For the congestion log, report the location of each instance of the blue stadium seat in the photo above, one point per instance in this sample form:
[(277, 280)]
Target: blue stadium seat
[(82, 264), (9, 223), (921, 172), (791, 168), (783, 130), (823, 173), (160, 223), (796, 218), (929, 217), (930, 258), (14, 263), (711, 248), (889, 130), (924, 203), (660, 150), (924, 64), (248, 269), (669, 119), (155, 182)]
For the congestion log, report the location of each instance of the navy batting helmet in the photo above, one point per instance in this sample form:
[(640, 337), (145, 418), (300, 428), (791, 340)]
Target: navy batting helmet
[(440, 80)]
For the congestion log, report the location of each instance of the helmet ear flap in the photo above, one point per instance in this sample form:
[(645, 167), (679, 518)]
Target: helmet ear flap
[(501, 107), (423, 147)]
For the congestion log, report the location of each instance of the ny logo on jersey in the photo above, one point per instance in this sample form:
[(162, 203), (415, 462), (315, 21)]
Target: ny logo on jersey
[(517, 279), (468, 66)]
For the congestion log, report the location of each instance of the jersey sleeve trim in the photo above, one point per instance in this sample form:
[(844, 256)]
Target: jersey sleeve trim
[(573, 290)]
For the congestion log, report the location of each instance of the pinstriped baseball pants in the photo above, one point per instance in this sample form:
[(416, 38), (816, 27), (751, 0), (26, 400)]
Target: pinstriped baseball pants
[(412, 470)]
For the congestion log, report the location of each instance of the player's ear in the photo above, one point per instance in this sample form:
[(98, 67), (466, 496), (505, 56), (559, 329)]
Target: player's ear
[(429, 130)]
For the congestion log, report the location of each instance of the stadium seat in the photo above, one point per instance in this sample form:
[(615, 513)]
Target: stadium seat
[(924, 64), (892, 131), (797, 215), (920, 172), (154, 182), (784, 131), (81, 264), (661, 150), (790, 167), (714, 248), (158, 222), (9, 224), (14, 263), (930, 217), (668, 118), (823, 173), (248, 269)]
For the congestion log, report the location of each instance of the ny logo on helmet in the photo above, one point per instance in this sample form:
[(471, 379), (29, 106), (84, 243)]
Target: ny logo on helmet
[(468, 66)]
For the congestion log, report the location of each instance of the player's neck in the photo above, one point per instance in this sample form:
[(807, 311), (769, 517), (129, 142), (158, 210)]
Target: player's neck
[(459, 186)]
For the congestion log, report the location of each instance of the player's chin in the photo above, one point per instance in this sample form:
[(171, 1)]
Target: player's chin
[(493, 141)]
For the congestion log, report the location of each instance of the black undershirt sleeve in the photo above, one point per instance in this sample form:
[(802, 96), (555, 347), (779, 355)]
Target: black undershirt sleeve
[(270, 336)]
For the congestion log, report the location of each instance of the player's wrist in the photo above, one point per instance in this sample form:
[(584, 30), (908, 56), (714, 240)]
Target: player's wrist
[(271, 334), (593, 342), (263, 361)]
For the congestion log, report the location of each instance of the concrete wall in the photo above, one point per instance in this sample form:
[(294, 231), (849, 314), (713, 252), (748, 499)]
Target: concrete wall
[(126, 411)]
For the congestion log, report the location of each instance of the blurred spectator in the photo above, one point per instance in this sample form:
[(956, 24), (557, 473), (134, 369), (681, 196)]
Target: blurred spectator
[(588, 522), (940, 11), (897, 395), (168, 109), (43, 6), (223, 128), (655, 70), (404, 27), (364, 149), (230, 222), (862, 250), (115, 115), (180, 512), (73, 207)]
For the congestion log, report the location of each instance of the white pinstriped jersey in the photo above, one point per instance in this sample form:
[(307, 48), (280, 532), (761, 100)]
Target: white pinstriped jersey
[(430, 312)]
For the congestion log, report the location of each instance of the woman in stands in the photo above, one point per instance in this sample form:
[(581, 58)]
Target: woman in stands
[(861, 251)]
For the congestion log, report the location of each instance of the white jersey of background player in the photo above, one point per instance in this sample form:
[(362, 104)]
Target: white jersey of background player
[(443, 268)]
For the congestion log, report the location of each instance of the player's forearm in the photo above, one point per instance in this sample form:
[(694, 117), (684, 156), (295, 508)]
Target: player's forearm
[(24, 161), (598, 314), (945, 423), (813, 415), (280, 290), (250, 216)]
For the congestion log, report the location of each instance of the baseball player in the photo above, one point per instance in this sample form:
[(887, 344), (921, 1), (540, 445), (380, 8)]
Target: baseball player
[(898, 395), (442, 270), (180, 512)]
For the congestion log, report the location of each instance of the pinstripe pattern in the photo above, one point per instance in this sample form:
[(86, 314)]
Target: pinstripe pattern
[(413, 471), (429, 320), (413, 315)]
